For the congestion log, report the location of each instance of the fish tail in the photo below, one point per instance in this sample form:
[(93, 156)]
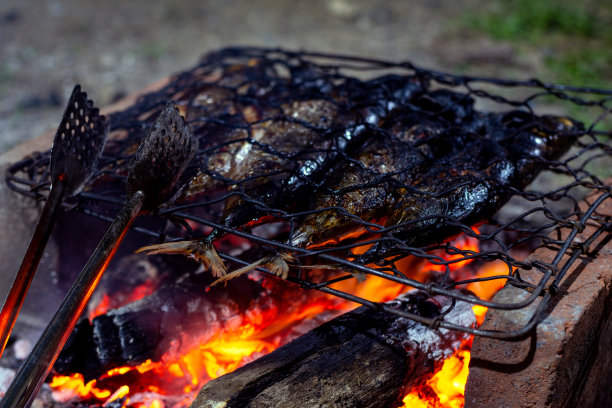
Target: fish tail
[(277, 264), (200, 250), (178, 248), (211, 259)]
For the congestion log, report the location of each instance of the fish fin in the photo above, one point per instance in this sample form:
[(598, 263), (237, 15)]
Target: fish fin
[(278, 265), (201, 250)]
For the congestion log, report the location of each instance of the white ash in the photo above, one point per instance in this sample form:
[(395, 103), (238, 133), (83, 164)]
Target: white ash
[(22, 348), (439, 344), (146, 399), (269, 230), (6, 377)]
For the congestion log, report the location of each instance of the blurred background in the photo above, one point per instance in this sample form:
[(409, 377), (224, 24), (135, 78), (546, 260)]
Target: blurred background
[(115, 47)]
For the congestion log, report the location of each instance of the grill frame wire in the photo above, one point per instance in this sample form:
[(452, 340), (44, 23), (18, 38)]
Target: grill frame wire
[(30, 177)]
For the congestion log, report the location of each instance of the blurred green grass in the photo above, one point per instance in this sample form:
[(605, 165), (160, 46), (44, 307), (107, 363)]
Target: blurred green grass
[(530, 19), (571, 39), (574, 38)]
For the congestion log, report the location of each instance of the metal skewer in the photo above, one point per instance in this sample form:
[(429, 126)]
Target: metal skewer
[(159, 162), (76, 150)]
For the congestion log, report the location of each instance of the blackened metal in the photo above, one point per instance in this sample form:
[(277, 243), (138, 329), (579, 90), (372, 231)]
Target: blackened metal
[(153, 173), (37, 366), (161, 158), (77, 146), (237, 98), (78, 143)]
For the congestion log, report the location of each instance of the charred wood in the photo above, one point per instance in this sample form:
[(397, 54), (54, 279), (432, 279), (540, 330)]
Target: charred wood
[(364, 358), (175, 317)]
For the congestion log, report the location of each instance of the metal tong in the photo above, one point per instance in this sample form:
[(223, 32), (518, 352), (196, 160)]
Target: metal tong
[(76, 149), (157, 165)]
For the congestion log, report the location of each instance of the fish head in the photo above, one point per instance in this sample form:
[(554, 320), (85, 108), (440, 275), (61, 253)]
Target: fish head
[(546, 137)]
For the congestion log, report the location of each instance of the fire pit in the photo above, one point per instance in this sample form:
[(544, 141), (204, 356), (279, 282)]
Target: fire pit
[(447, 263)]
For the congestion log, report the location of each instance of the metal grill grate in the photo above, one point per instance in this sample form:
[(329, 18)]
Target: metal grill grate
[(311, 130)]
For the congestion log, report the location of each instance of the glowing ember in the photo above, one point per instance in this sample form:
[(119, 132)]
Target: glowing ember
[(106, 303), (185, 373), (120, 393), (174, 381)]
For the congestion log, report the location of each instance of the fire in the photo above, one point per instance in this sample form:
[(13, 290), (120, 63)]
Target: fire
[(120, 393), (64, 385), (446, 388), (262, 331), (107, 303), (449, 382), (192, 368), (486, 289), (222, 355)]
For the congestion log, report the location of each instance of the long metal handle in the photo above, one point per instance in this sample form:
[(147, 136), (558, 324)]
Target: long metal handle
[(30, 262), (25, 386)]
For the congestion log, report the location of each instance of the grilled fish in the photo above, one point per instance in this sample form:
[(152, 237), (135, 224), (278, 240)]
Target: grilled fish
[(471, 185), (368, 186), (365, 187), (464, 178), (282, 155), (267, 162)]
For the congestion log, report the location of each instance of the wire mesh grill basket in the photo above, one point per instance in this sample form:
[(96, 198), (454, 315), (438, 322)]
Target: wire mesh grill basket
[(363, 167)]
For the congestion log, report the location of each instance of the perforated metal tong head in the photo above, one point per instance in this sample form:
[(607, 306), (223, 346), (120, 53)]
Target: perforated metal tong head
[(76, 149), (156, 166), (78, 143), (162, 157)]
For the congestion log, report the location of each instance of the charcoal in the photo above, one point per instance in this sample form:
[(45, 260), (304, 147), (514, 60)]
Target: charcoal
[(134, 333), (130, 337), (79, 350), (177, 316)]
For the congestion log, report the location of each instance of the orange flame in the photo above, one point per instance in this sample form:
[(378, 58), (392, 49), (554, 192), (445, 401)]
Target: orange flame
[(119, 393), (63, 385), (466, 244), (102, 307), (192, 368), (446, 388), (262, 331), (106, 303)]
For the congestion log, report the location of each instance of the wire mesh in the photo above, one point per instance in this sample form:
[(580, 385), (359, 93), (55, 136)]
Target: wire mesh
[(360, 165)]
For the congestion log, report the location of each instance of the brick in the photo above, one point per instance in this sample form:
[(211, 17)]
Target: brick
[(567, 360)]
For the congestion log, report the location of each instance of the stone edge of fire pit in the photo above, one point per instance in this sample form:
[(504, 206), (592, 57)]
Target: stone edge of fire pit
[(564, 363), (21, 214)]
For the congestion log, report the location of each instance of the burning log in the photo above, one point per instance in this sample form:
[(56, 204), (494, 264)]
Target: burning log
[(176, 317), (134, 333), (364, 358)]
